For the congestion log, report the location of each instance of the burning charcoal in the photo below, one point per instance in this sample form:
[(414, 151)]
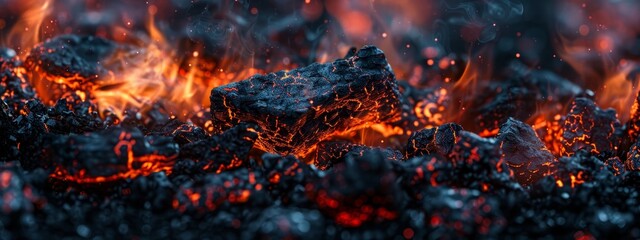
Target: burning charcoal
[(287, 177), (633, 125), (299, 108), (581, 169), (71, 59), (616, 165), (361, 190), (420, 107), (31, 130), (73, 115), (15, 88), (330, 153), (590, 128), (241, 187), (287, 223), (633, 158), (523, 151), (438, 140), (222, 152), (462, 213), (113, 154)]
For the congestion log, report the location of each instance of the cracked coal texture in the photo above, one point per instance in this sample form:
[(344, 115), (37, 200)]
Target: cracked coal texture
[(523, 151), (224, 151), (590, 128), (297, 109)]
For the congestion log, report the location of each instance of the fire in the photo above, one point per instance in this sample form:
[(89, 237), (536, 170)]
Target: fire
[(148, 71), (28, 31), (152, 74)]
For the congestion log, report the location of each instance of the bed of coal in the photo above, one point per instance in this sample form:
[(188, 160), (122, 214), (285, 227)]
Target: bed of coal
[(357, 119)]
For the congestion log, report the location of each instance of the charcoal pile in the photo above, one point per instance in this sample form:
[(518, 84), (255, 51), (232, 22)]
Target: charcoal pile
[(260, 120)]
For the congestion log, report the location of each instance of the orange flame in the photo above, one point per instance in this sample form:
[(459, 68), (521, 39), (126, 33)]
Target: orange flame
[(27, 30)]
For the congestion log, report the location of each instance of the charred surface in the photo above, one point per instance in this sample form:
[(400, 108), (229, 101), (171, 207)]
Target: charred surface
[(523, 151), (299, 108)]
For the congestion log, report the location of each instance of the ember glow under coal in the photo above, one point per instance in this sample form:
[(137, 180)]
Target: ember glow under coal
[(319, 119)]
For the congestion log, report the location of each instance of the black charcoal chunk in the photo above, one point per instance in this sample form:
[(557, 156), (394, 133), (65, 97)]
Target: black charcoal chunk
[(75, 58), (224, 151), (587, 127), (297, 109), (523, 151)]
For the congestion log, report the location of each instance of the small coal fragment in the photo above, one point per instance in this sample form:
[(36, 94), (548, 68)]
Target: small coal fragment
[(287, 177), (330, 153), (590, 128), (287, 223), (109, 155), (299, 108), (241, 187), (523, 151), (361, 190), (222, 152), (439, 140), (70, 59)]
